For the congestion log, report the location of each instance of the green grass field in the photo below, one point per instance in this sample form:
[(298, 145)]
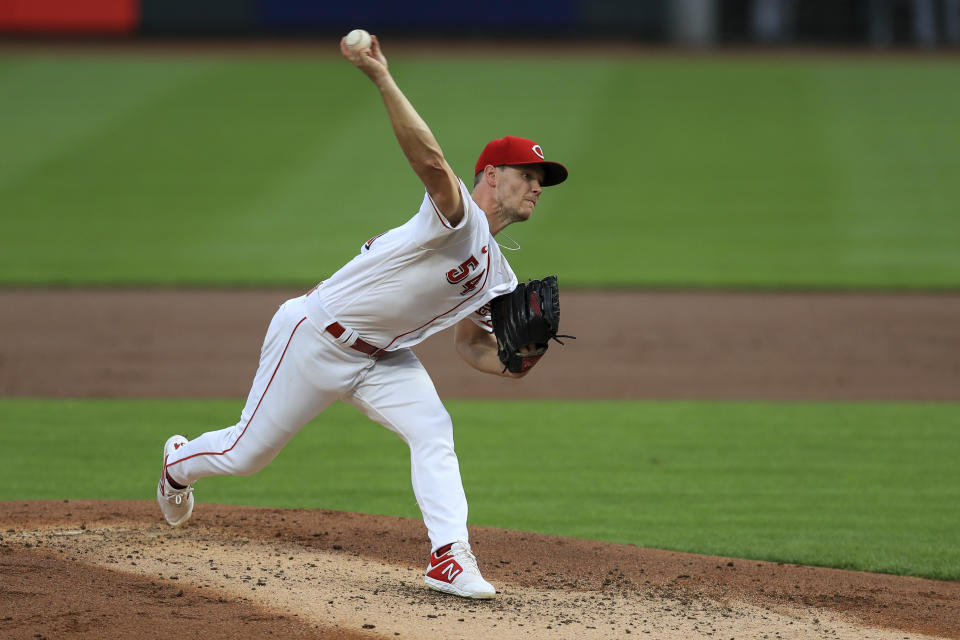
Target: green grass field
[(815, 173), (731, 172), (869, 487)]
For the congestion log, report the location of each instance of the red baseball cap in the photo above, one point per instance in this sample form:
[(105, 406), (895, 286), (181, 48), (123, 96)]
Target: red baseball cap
[(512, 150)]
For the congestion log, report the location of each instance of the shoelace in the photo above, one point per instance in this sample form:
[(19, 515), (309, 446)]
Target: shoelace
[(465, 557), (177, 496)]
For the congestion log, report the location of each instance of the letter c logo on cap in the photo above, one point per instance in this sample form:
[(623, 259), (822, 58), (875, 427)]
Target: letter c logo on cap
[(537, 150)]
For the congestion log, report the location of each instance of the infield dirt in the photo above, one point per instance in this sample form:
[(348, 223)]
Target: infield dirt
[(109, 569), (659, 345)]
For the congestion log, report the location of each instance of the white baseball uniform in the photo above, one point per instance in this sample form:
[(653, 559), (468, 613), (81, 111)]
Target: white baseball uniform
[(349, 339)]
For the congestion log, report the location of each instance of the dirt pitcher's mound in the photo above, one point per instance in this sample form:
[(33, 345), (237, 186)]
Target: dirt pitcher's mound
[(85, 569)]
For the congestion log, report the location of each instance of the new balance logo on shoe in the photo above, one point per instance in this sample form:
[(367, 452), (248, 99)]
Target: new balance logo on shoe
[(442, 565), (451, 571)]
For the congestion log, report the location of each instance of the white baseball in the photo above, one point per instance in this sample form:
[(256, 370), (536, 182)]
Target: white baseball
[(358, 39)]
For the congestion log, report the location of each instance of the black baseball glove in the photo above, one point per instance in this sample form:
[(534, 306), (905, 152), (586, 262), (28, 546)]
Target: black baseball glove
[(528, 316)]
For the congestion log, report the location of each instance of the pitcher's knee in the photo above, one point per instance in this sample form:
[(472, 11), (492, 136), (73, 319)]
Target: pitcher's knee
[(430, 429)]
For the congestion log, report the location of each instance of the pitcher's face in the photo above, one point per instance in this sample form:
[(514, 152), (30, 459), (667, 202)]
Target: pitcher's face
[(518, 190)]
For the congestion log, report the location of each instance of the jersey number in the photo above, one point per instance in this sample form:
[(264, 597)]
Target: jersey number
[(455, 276)]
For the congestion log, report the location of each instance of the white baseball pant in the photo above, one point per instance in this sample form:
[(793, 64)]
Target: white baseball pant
[(303, 370)]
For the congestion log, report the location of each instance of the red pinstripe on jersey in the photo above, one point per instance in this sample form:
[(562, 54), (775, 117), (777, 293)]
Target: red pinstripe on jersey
[(443, 219)]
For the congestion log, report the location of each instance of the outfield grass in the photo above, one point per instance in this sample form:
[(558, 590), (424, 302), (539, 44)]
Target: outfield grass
[(861, 486), (235, 170)]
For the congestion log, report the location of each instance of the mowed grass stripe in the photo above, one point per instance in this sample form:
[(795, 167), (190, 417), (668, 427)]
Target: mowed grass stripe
[(859, 486), (735, 172)]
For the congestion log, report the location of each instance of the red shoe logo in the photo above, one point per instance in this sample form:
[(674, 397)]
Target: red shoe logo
[(442, 565), (441, 554), (177, 445)]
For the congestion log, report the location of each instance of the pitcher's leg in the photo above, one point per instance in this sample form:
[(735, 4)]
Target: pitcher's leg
[(398, 393), (281, 401)]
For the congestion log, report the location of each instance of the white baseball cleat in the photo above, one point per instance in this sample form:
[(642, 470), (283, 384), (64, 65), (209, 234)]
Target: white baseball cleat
[(176, 504), (453, 569)]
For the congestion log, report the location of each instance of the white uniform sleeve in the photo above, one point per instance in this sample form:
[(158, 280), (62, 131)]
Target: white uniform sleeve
[(482, 318), (431, 224)]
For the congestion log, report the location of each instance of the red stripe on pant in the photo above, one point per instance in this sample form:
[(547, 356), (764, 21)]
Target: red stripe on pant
[(254, 415)]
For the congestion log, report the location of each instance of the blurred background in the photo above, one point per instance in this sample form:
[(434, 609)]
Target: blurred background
[(874, 23), (773, 144)]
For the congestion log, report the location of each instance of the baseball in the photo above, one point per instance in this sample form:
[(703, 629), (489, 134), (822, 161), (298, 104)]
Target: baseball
[(358, 39)]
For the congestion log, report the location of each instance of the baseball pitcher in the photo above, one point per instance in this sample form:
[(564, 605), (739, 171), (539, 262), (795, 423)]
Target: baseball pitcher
[(349, 337)]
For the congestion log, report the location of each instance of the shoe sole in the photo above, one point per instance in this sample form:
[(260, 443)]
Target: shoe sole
[(445, 587)]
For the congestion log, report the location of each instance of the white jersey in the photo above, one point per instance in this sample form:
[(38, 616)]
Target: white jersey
[(416, 279)]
